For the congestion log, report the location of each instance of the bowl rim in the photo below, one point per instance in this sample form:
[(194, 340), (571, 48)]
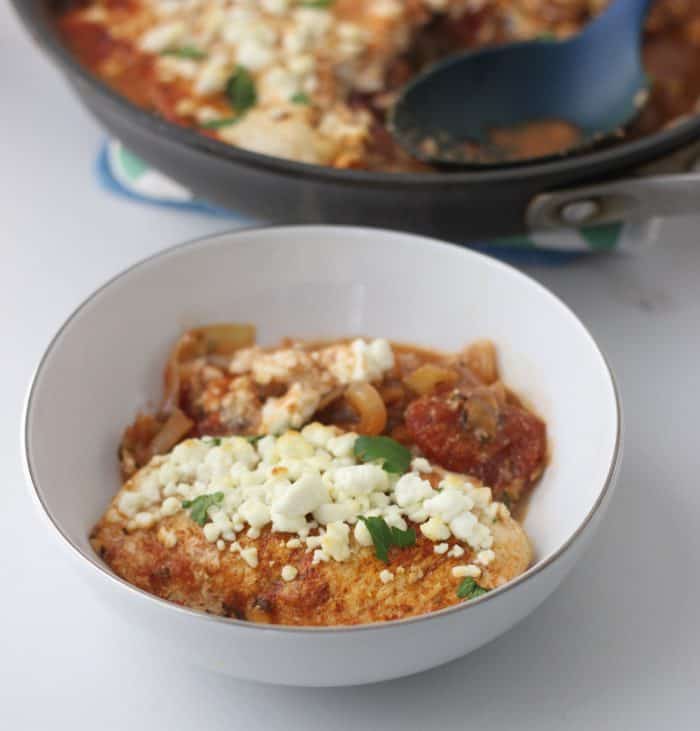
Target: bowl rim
[(616, 158), (207, 240)]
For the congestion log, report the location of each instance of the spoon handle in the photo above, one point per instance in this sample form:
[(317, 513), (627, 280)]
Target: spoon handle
[(621, 19)]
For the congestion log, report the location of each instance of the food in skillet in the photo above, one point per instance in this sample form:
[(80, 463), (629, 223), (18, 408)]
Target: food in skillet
[(327, 483), (311, 80)]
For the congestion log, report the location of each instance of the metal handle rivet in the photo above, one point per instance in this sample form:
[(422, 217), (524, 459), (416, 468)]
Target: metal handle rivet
[(578, 212)]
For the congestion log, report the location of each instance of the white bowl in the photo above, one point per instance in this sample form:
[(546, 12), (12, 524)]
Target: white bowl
[(106, 363)]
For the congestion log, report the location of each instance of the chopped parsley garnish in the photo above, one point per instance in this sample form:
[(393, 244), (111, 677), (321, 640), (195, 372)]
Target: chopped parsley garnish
[(216, 441), (469, 589), (395, 457), (384, 537), (199, 506), (316, 3), (254, 438), (300, 98), (219, 123), (185, 52), (240, 90)]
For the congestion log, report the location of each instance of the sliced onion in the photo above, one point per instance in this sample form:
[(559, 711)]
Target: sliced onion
[(365, 400), (333, 395), (175, 428), (480, 357), (224, 338), (427, 377)]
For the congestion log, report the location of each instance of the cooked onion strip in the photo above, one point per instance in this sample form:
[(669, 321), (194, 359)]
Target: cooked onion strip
[(175, 428), (480, 357), (427, 377), (365, 400)]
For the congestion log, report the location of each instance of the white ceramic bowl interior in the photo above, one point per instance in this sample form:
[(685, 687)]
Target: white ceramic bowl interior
[(314, 281)]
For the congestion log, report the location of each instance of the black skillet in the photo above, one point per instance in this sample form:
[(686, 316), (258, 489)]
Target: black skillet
[(641, 178)]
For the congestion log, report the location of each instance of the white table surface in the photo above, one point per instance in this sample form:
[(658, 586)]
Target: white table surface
[(618, 643)]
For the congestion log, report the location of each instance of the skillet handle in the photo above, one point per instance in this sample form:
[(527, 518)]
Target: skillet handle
[(651, 191)]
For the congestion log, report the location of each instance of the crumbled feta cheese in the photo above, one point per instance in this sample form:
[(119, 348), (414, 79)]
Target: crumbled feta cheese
[(293, 409), (167, 537), (294, 445), (361, 479), (289, 573), (276, 7), (302, 497), (212, 531), (254, 512), (170, 506), (456, 551), (481, 496), (250, 556), (421, 464), (287, 523), (318, 434), (130, 502), (319, 556), (335, 512), (361, 361), (144, 520), (448, 504), (388, 9), (485, 557), (162, 37), (342, 445), (435, 530), (362, 535), (411, 489), (386, 576), (309, 484), (335, 541), (460, 572), (254, 54)]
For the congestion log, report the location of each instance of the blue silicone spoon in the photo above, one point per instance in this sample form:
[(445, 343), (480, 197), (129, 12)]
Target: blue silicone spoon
[(594, 81)]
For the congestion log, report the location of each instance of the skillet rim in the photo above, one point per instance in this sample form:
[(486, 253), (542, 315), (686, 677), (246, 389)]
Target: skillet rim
[(585, 166)]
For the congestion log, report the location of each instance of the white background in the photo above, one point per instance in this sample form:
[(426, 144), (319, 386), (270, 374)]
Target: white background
[(617, 644)]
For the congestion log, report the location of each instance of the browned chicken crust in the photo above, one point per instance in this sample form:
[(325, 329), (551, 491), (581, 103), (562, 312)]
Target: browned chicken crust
[(194, 573)]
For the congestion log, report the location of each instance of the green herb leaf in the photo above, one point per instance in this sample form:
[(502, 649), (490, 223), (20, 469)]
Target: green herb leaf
[(219, 123), (469, 589), (381, 536), (403, 538), (254, 438), (384, 537), (316, 3), (240, 90), (199, 506), (185, 52), (300, 98), (395, 457), (215, 441)]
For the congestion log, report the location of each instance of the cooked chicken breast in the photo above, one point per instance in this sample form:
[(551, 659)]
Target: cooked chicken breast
[(174, 560), (323, 483)]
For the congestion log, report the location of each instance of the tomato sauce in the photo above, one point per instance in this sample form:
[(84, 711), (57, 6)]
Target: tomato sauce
[(671, 54)]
